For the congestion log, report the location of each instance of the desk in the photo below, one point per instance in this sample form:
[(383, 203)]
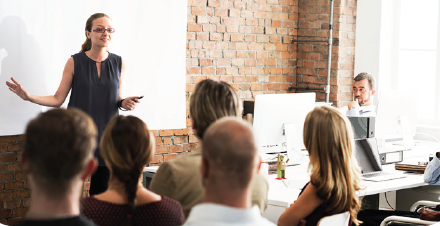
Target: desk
[(280, 197)]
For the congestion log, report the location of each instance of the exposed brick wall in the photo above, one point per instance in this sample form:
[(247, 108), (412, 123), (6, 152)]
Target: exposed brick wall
[(312, 57), (14, 189), (245, 43)]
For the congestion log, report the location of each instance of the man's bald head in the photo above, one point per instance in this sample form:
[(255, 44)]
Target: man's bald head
[(229, 149)]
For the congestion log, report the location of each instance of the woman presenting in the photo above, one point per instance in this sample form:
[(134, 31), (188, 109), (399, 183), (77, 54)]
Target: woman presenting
[(95, 76)]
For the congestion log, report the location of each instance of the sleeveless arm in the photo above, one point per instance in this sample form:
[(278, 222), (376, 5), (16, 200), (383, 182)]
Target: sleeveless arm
[(50, 101), (306, 203)]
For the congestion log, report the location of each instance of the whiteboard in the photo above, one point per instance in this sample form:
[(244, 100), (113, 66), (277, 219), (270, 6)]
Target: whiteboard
[(38, 37)]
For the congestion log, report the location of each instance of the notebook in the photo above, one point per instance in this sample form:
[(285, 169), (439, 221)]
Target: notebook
[(369, 161)]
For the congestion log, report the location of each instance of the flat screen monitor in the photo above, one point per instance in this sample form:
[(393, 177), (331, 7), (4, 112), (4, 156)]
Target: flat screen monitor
[(397, 114), (273, 111)]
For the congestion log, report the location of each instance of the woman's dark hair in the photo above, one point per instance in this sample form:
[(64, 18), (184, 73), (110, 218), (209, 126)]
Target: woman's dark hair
[(127, 146), (89, 24)]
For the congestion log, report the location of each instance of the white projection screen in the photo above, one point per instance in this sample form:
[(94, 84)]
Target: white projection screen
[(38, 36)]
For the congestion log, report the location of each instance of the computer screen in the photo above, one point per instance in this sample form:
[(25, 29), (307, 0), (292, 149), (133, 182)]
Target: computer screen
[(367, 155), (274, 112), (397, 114)]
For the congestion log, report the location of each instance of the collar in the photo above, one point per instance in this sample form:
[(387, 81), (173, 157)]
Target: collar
[(210, 212)]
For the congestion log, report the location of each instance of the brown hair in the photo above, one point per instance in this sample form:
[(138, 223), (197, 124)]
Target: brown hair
[(87, 45), (229, 146), (328, 137), (59, 143), (127, 146), (210, 101), (364, 75)]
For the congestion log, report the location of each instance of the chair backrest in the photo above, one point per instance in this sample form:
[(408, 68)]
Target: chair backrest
[(340, 219)]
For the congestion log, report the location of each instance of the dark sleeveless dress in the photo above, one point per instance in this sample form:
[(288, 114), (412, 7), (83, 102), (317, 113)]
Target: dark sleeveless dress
[(96, 96), (318, 213)]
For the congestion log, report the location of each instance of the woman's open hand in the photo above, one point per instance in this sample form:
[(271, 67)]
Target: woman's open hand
[(18, 89)]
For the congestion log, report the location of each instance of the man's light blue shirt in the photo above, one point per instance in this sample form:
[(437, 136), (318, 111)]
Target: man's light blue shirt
[(432, 172)]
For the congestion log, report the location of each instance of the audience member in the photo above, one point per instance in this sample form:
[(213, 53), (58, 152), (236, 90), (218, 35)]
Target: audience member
[(229, 162), (179, 178), (127, 146), (335, 174), (432, 171), (57, 158), (364, 89)]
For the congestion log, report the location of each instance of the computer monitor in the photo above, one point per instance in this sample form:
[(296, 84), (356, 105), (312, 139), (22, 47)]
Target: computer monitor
[(396, 118), (276, 115)]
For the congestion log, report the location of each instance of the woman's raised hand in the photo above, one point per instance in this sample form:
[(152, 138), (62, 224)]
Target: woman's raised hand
[(18, 89)]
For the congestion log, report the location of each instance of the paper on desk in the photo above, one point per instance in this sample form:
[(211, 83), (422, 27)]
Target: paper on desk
[(268, 157)]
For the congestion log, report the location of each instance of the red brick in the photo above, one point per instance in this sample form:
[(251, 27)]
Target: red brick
[(20, 212), (161, 149), (256, 87), (5, 213), (5, 195), (22, 194), (6, 177), (169, 157), (205, 62), (27, 202), (180, 139), (203, 36), (194, 27), (157, 159), (12, 167), (12, 204), (3, 147), (176, 148), (181, 132), (15, 147), (8, 157), (8, 139), (20, 176), (14, 185), (194, 70)]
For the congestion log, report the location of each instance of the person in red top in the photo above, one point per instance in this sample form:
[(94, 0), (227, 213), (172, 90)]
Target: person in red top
[(127, 146)]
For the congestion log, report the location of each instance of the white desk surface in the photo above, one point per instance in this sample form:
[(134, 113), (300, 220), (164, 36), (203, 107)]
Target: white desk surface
[(285, 193)]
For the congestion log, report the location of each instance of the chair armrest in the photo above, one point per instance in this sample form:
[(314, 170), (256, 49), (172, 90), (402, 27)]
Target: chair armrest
[(389, 219), (423, 203)]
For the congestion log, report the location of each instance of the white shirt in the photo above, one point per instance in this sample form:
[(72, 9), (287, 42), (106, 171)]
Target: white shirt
[(364, 111), (218, 215)]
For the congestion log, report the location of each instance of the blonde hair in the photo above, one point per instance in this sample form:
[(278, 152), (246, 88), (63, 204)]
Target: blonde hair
[(328, 137), (210, 101), (127, 146)]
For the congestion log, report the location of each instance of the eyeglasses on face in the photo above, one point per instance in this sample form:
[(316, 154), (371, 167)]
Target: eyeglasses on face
[(102, 30)]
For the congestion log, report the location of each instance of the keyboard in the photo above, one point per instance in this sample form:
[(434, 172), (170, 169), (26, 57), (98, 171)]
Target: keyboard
[(375, 174), (382, 176)]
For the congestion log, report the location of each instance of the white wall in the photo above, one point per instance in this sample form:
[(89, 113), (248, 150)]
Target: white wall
[(37, 38)]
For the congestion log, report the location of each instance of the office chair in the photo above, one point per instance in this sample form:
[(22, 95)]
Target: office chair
[(340, 219), (397, 220)]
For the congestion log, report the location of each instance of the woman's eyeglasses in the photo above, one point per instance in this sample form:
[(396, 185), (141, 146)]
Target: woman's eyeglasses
[(102, 30)]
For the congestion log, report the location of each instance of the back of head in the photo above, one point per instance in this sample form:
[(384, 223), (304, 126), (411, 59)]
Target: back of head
[(328, 137), (210, 101), (229, 148), (59, 143), (127, 147), (364, 75)]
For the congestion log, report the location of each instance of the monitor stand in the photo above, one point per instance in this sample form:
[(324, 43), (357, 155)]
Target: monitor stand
[(293, 143)]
